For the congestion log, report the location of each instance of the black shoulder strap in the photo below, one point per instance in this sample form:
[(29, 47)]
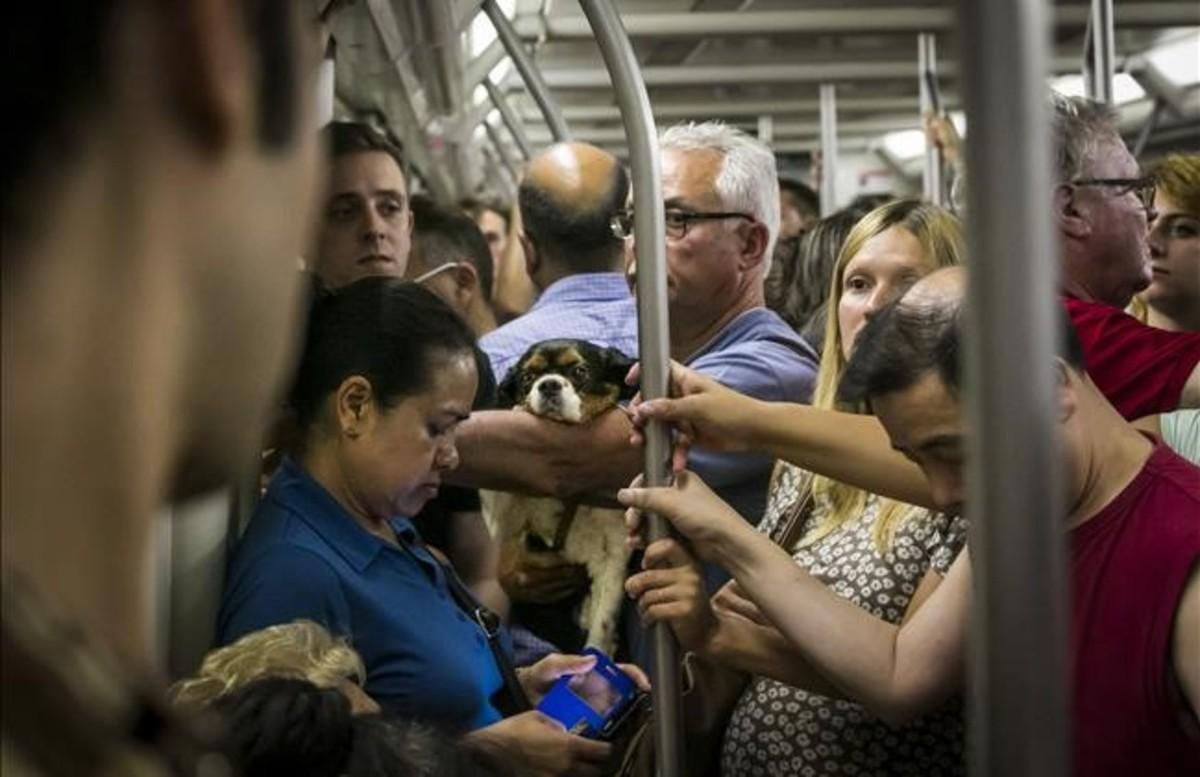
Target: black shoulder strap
[(490, 623)]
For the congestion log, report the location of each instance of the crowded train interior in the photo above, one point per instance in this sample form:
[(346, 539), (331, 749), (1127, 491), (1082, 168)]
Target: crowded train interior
[(601, 388)]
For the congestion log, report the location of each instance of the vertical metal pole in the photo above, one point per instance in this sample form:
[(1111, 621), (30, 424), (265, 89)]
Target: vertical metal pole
[(829, 152), (529, 72), (1103, 48), (1148, 128), (501, 150), (931, 178), (1018, 711), (511, 120), (766, 128), (653, 337), (326, 91), (1088, 69)]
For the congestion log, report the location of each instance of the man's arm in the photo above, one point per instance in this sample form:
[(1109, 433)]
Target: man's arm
[(897, 672), (512, 450), (1185, 644), (750, 645), (847, 447), (1190, 396)]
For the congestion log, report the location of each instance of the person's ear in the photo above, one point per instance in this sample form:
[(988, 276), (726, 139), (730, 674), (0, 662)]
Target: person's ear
[(533, 262), (411, 222), (616, 367), (203, 50), (354, 405), (754, 246), (466, 283), (1071, 219), (1067, 391)]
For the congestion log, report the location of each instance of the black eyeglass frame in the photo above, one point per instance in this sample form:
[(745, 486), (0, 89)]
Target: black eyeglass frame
[(622, 221), (1144, 188)]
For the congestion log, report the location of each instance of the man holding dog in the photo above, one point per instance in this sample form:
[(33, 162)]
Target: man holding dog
[(722, 200)]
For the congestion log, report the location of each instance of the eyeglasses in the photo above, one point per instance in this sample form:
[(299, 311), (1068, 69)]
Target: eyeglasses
[(677, 221), (1143, 187), (441, 268)]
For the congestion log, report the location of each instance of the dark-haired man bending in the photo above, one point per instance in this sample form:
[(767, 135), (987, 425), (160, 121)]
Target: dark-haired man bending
[(1131, 507)]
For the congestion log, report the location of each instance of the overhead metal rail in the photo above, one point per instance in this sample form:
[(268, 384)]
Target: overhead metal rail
[(478, 69), (502, 150), (509, 116), (859, 143), (653, 339), (781, 129), (530, 75), (747, 108), (1018, 666), (891, 19), (408, 125), (792, 72)]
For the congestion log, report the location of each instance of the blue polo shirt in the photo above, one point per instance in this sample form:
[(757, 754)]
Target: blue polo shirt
[(597, 307), (304, 556), (759, 355)]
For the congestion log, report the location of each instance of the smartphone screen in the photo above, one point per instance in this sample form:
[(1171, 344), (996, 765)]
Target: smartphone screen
[(594, 690)]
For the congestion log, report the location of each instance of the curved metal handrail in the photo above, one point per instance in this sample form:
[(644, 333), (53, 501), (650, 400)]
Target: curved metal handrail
[(653, 335)]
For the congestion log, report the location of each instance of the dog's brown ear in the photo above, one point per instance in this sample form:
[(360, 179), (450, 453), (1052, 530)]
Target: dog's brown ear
[(616, 367)]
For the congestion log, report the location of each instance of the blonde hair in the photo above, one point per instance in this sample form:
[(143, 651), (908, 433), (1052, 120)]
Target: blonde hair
[(301, 650), (939, 233), (1177, 176)]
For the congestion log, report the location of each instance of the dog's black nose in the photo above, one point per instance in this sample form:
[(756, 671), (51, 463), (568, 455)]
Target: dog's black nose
[(549, 388)]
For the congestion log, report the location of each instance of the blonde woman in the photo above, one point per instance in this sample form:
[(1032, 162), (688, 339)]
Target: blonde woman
[(1172, 301), (301, 650), (882, 555)]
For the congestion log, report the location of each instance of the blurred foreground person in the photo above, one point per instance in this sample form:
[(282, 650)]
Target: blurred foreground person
[(153, 185)]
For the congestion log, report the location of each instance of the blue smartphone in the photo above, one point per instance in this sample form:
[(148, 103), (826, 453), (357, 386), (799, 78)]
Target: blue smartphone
[(591, 704)]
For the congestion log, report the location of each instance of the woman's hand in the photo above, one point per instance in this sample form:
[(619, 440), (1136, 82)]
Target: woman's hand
[(671, 590), (731, 600), (537, 679), (701, 410), (536, 745), (689, 504)]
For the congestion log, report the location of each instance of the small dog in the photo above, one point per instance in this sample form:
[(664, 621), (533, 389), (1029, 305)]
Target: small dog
[(572, 382)]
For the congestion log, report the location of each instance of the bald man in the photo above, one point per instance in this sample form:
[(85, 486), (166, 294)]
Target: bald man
[(568, 198)]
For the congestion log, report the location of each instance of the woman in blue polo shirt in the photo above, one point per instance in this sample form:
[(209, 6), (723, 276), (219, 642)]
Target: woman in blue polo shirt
[(387, 373)]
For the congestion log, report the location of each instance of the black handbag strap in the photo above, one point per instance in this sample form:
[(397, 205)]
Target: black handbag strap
[(489, 621), (790, 528)]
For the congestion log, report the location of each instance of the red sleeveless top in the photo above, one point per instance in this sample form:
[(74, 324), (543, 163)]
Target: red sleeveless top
[(1129, 565)]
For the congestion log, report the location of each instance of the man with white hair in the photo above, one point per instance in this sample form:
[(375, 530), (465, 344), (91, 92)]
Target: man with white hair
[(722, 218), (721, 196), (1102, 208)]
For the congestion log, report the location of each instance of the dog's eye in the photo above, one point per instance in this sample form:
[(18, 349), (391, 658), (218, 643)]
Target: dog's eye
[(579, 372)]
